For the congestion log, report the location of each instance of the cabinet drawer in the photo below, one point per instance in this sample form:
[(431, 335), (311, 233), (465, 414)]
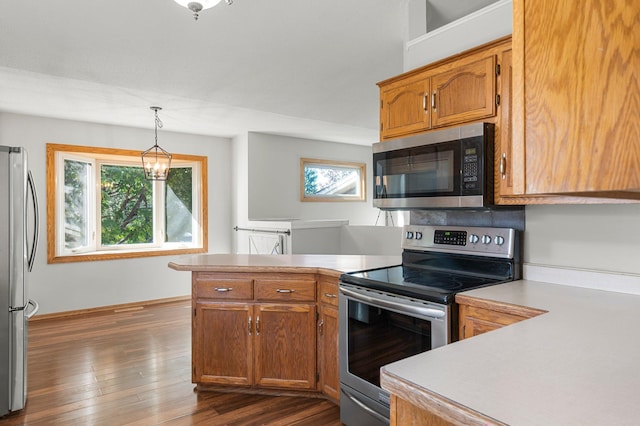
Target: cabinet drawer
[(226, 289), (285, 290), (329, 293)]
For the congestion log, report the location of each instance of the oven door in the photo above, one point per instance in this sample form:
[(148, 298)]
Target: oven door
[(376, 329)]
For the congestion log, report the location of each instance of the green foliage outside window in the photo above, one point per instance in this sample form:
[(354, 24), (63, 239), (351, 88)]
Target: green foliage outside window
[(126, 205), (75, 188)]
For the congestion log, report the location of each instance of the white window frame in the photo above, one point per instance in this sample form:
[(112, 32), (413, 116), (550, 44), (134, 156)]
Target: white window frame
[(97, 157), (359, 168)]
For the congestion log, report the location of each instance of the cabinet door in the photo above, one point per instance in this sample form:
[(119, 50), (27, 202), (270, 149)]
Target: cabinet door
[(405, 413), (285, 339), (475, 320), (328, 352), (504, 151), (222, 344), (465, 93), (576, 89), (404, 109)]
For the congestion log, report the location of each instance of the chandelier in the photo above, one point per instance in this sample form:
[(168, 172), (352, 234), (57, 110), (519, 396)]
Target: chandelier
[(197, 6), (156, 161)]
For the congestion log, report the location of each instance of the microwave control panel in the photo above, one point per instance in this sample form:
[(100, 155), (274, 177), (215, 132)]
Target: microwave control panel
[(471, 164)]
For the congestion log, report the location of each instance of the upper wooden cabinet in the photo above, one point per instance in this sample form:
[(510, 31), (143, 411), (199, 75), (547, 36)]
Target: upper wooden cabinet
[(404, 107), (576, 92), (457, 90), (465, 93)]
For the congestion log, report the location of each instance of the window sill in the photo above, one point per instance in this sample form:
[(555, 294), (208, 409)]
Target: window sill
[(121, 254)]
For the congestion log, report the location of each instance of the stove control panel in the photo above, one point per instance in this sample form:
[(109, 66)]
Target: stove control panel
[(454, 238), (485, 241)]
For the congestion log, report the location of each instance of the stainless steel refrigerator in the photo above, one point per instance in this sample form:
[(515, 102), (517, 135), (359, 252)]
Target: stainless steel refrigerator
[(18, 243)]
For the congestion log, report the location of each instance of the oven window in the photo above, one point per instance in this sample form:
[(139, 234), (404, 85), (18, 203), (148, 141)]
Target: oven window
[(378, 337)]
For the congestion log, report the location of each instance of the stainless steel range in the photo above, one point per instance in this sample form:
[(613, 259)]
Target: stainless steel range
[(392, 313)]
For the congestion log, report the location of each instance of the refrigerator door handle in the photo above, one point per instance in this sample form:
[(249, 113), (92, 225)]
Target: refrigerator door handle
[(36, 308), (36, 222)]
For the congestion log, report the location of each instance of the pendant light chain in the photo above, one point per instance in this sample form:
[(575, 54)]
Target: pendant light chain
[(156, 162)]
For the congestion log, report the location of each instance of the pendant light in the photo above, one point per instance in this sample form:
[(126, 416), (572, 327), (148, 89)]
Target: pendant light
[(156, 161), (197, 6)]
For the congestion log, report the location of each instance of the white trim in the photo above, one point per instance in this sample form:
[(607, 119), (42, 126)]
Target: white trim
[(479, 27), (585, 278), (465, 20)]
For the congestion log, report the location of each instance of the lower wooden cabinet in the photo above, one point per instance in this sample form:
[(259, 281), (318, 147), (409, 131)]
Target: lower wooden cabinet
[(285, 339), (404, 413), (328, 371), (477, 316), (265, 331), (222, 344)]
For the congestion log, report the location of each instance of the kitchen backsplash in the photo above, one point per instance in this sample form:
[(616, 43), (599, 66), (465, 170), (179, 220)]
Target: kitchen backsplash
[(510, 217)]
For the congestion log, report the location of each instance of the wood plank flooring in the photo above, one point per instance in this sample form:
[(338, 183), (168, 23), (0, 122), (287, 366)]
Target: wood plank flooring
[(133, 367)]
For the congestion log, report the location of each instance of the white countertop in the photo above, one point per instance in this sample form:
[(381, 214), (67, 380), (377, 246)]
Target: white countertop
[(577, 364), (332, 264)]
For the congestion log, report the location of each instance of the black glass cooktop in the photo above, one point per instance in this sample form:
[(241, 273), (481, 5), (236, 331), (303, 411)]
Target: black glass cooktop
[(436, 278)]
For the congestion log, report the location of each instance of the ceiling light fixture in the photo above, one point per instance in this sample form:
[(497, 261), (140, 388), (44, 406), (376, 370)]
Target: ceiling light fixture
[(197, 6), (156, 161)]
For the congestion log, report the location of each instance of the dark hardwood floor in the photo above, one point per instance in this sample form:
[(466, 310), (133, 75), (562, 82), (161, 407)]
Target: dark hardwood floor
[(133, 367)]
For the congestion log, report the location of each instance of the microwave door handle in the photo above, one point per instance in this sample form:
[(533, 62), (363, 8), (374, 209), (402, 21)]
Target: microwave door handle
[(36, 221)]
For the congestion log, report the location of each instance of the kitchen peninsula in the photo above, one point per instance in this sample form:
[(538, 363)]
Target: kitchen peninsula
[(268, 323), (576, 364)]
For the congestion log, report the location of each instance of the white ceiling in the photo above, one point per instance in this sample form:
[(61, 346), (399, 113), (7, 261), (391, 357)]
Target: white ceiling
[(251, 66)]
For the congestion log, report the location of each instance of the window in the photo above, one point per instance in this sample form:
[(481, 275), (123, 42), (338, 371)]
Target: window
[(99, 205), (323, 180)]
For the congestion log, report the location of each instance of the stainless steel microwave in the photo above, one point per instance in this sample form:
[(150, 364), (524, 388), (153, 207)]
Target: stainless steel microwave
[(449, 168)]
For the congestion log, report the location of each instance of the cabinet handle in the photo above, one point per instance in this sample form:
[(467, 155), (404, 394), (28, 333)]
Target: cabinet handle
[(464, 331), (321, 327), (503, 165), (285, 290), (223, 289), (424, 101), (249, 326), (330, 296), (433, 100), (257, 326)]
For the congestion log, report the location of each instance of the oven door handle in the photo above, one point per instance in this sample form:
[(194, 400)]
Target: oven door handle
[(362, 405), (385, 303)]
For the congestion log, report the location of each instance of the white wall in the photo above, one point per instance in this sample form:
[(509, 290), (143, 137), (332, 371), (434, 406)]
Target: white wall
[(480, 27), (274, 179), (592, 237), (81, 285), (240, 199)]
